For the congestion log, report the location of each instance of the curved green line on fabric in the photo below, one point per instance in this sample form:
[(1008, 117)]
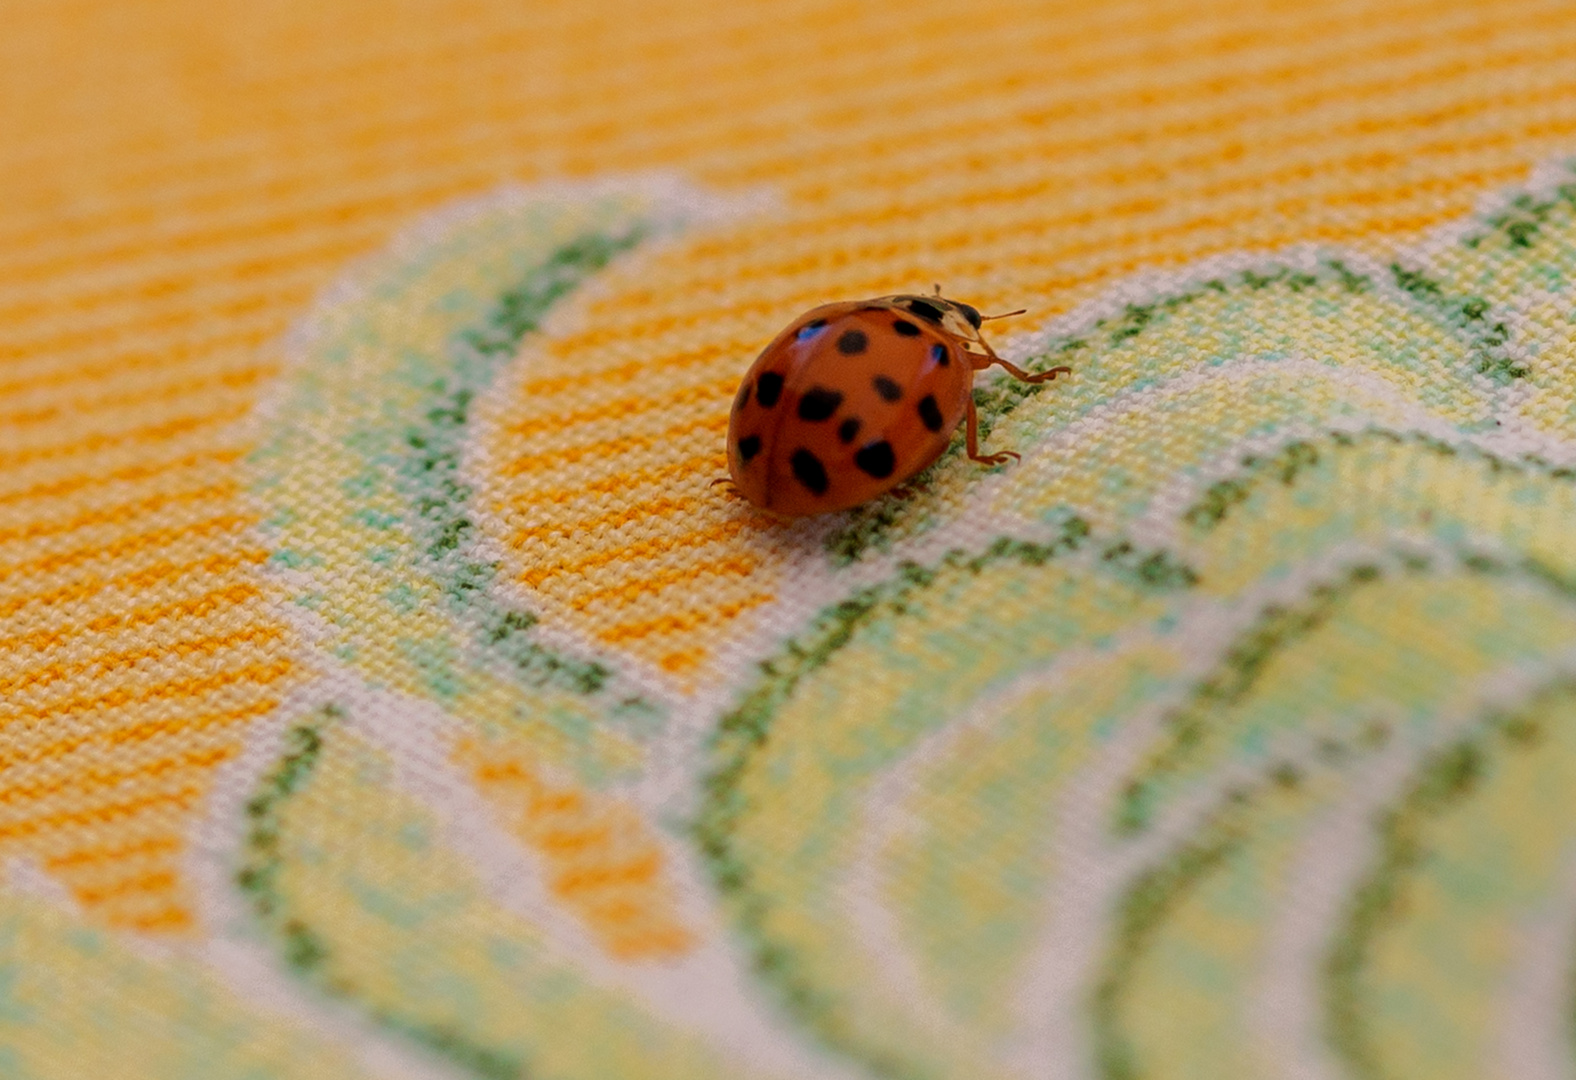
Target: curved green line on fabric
[(1487, 335), (304, 948), (1454, 620), (1142, 347), (354, 884), (1524, 260), (1181, 977), (1527, 226), (360, 472), (1286, 508), (1453, 307), (794, 772), (1299, 503), (1295, 458), (430, 471), (1430, 936), (1245, 664), (1139, 919), (76, 1002), (1181, 974)]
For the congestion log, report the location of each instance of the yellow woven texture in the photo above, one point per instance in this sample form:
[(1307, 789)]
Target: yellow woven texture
[(177, 179)]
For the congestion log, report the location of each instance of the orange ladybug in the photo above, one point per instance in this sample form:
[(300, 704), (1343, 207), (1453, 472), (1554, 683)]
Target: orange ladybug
[(854, 398)]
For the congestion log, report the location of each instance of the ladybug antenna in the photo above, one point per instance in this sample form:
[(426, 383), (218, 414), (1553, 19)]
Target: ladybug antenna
[(936, 286), (1004, 315)]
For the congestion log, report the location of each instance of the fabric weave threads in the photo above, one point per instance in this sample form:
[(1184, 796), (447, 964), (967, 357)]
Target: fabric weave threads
[(385, 691)]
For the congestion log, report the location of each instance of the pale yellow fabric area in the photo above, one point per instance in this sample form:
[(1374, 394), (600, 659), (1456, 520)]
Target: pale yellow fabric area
[(177, 180)]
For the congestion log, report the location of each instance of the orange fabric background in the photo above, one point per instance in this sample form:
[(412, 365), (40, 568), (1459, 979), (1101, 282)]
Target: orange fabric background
[(177, 181)]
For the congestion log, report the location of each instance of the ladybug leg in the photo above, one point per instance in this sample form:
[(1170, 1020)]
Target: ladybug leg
[(1033, 377), (1027, 376), (1017, 372), (972, 430)]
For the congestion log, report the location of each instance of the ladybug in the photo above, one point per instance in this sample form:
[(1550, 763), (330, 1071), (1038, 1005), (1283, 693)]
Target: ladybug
[(854, 398)]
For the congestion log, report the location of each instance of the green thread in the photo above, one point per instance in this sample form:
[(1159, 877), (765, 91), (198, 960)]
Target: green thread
[(1296, 458), (429, 473), (1276, 629), (1147, 904), (746, 729), (303, 948), (1521, 223), (1154, 569), (1521, 226), (1141, 914), (1470, 314), (1236, 675), (869, 527), (1221, 496), (1447, 777)]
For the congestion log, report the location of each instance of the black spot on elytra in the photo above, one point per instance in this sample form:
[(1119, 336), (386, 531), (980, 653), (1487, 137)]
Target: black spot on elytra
[(852, 343), (768, 388), (848, 429), (877, 459), (930, 412), (744, 396), (888, 389), (972, 314), (749, 446), (809, 471), (924, 309), (819, 403), (939, 354), (810, 329), (906, 328)]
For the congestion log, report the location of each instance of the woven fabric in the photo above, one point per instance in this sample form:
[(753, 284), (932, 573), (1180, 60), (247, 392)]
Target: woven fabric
[(386, 690)]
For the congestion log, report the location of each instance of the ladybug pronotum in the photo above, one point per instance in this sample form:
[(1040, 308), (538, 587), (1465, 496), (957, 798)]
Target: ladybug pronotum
[(854, 398)]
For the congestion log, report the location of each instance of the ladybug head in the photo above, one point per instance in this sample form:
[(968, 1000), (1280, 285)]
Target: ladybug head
[(970, 313)]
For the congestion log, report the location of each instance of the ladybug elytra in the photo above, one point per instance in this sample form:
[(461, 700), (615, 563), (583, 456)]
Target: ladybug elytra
[(854, 398)]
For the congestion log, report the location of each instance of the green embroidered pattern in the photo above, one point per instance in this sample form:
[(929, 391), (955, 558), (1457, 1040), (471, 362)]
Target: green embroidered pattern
[(353, 881), (1028, 772)]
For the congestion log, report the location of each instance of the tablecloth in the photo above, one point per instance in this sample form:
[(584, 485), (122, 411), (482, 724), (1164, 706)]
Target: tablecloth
[(386, 690)]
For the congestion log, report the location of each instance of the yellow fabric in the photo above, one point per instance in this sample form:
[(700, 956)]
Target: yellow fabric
[(232, 240)]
